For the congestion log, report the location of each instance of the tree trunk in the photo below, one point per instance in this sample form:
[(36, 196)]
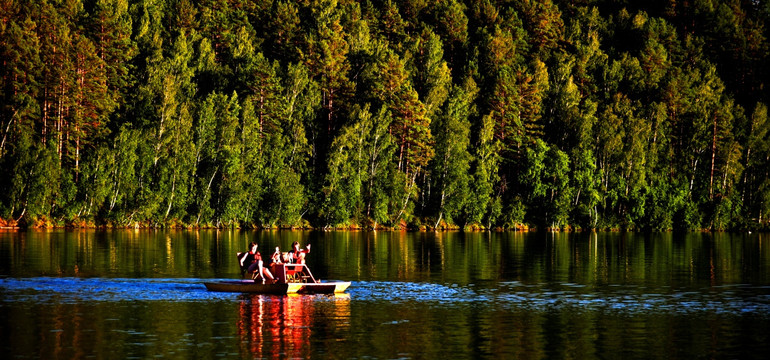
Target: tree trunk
[(208, 188), (115, 196), (45, 116), (60, 122), (5, 134), (77, 152), (171, 199), (372, 171), (713, 159), (406, 198), (331, 112), (692, 178), (577, 197)]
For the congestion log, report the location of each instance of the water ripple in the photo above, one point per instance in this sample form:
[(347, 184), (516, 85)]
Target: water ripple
[(75, 290), (738, 299)]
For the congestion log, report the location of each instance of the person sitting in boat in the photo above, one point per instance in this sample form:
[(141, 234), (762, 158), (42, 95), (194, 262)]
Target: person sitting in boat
[(245, 259), (257, 265), (297, 255), (276, 259)]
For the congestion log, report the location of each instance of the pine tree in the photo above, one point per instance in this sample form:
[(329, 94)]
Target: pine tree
[(327, 60)]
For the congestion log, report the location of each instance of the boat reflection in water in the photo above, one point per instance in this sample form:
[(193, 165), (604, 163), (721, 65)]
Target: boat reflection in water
[(282, 326)]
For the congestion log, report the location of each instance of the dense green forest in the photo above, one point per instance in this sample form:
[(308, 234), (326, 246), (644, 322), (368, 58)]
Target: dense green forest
[(644, 115)]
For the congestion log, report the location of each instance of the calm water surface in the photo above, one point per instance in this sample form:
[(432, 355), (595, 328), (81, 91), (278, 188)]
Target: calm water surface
[(138, 294)]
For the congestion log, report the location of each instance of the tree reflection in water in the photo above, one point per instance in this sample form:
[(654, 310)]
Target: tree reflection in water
[(282, 326)]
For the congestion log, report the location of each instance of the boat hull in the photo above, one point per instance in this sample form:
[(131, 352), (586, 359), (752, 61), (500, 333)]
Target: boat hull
[(248, 286)]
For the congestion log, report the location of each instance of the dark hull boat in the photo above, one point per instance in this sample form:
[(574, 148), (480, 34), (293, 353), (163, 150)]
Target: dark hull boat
[(289, 279)]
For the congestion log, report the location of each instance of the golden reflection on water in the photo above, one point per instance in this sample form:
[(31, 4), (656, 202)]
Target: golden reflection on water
[(590, 259)]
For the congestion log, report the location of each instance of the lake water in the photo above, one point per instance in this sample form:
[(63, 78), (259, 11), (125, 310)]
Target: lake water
[(139, 294)]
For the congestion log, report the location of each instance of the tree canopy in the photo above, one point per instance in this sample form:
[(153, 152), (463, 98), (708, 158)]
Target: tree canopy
[(405, 114)]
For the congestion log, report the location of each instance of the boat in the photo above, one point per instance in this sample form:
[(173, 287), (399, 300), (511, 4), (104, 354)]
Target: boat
[(289, 279), (249, 286)]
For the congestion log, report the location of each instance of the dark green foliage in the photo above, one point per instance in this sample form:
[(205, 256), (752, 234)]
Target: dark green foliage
[(456, 113)]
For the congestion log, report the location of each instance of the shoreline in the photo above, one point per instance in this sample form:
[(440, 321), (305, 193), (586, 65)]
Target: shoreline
[(359, 229)]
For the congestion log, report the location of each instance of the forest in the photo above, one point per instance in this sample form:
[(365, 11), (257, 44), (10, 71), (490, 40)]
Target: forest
[(378, 114)]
